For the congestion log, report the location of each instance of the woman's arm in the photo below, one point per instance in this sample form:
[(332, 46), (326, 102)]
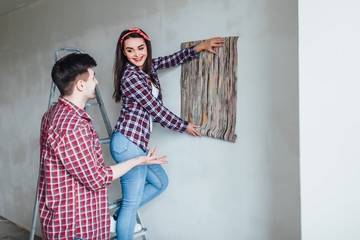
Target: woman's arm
[(187, 54), (136, 89), (174, 59)]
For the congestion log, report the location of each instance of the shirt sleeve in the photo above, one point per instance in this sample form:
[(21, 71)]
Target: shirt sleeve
[(175, 59), (135, 88), (77, 153)]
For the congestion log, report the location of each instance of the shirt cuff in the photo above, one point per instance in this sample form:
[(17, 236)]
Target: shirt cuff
[(110, 175), (192, 51), (184, 126)]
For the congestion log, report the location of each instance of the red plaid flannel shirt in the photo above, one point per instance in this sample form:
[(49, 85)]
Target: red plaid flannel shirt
[(138, 103), (73, 198)]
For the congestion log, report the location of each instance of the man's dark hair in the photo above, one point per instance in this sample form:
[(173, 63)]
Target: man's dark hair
[(65, 71)]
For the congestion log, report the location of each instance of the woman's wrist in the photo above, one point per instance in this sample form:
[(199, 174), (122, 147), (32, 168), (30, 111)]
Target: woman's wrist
[(199, 47)]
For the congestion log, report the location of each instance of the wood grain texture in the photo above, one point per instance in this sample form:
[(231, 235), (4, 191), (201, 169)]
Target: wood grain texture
[(208, 90)]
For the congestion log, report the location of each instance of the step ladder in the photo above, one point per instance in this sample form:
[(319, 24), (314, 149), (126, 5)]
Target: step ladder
[(141, 233), (99, 103)]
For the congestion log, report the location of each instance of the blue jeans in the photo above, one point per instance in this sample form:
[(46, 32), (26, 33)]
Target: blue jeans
[(135, 193)]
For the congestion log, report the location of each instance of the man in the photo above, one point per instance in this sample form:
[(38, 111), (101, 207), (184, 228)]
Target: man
[(73, 178)]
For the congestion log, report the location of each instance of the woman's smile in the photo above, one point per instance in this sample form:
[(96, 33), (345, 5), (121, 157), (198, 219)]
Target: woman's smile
[(138, 59)]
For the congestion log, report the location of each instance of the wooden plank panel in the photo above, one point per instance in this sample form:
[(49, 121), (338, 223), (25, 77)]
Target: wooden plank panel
[(208, 90)]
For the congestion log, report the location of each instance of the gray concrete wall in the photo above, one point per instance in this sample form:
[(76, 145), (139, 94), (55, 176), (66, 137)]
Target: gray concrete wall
[(218, 190)]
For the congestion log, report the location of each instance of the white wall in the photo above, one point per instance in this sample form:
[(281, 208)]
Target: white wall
[(329, 119), (218, 190)]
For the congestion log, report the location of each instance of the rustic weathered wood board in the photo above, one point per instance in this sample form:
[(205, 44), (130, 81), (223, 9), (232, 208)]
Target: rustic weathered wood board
[(208, 90)]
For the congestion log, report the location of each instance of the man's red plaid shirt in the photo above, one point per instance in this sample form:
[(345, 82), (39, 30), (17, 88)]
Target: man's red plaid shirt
[(73, 198)]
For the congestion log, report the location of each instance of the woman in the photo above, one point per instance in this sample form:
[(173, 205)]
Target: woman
[(137, 85)]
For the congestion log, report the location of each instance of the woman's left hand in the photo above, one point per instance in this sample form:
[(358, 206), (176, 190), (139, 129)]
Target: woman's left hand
[(191, 130), (209, 44)]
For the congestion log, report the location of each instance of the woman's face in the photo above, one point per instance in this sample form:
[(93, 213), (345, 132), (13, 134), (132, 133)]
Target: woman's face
[(136, 51)]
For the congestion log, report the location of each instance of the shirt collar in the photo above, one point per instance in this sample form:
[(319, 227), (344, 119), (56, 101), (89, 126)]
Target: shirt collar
[(76, 109), (136, 68)]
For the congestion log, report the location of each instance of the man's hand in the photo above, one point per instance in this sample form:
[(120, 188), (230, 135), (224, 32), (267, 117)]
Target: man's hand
[(122, 168), (151, 158)]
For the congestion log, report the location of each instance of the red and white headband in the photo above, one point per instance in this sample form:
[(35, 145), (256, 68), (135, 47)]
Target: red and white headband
[(134, 30)]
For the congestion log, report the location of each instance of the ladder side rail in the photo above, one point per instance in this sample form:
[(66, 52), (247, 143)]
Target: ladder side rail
[(36, 209), (103, 112), (51, 97), (142, 233)]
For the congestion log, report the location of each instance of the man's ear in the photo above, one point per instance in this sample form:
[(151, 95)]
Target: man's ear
[(79, 85)]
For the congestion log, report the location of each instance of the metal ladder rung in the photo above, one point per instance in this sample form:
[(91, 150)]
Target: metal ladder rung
[(92, 105), (86, 105), (114, 204), (140, 233), (104, 140), (136, 235)]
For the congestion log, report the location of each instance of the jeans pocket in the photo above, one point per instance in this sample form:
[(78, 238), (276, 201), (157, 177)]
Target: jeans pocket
[(119, 144)]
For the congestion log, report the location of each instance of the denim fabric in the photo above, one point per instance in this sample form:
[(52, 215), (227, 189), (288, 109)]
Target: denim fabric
[(135, 193)]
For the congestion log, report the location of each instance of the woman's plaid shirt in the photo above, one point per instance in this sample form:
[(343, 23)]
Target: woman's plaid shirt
[(138, 103), (73, 198)]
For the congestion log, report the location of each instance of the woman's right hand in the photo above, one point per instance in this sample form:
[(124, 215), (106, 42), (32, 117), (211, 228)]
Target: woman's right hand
[(191, 129)]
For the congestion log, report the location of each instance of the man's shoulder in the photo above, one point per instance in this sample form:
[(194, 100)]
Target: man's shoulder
[(63, 119)]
